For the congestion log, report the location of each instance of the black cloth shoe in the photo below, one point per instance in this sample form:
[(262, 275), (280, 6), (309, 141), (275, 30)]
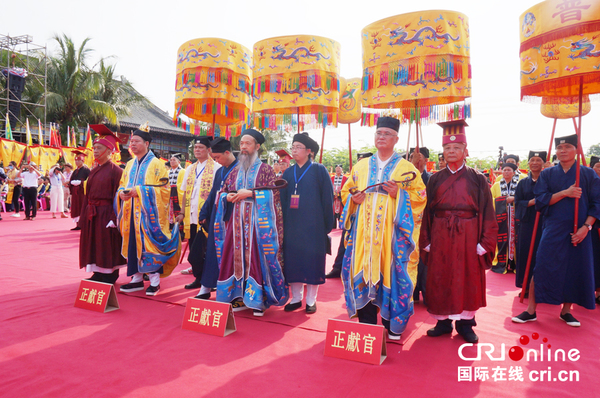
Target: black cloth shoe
[(394, 336), (132, 287), (203, 296), (334, 273), (524, 317), (311, 309), (196, 284), (499, 269), (96, 277), (152, 290), (441, 328), (464, 327), (111, 278), (75, 229), (570, 319), (292, 306)]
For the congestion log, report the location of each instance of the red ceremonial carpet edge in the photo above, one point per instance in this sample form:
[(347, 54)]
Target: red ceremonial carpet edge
[(50, 348)]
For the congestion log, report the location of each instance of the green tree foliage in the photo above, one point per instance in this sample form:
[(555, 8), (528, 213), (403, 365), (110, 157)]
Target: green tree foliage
[(594, 150)]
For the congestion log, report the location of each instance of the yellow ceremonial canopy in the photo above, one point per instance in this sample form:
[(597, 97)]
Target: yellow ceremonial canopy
[(213, 82), (296, 76), (417, 62), (564, 108), (559, 45)]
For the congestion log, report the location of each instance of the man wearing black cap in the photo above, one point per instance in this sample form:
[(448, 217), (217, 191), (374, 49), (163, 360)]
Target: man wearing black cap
[(441, 161), (385, 197), (503, 193), (143, 217), (176, 173), (419, 160), (196, 186), (525, 216), (564, 271), (204, 258), (76, 186), (249, 217), (307, 204)]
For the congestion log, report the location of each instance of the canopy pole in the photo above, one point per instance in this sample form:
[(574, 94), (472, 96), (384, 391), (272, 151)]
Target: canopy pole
[(350, 145)]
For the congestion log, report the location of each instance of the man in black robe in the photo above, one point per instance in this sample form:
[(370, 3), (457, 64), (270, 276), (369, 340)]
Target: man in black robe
[(203, 253), (77, 187), (308, 217), (525, 215)]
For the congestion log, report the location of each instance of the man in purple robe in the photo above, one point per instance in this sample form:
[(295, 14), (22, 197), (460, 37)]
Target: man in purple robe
[(249, 233)]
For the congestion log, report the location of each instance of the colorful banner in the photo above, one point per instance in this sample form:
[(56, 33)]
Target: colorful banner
[(297, 75), (559, 45), (350, 106), (213, 78), (416, 60)]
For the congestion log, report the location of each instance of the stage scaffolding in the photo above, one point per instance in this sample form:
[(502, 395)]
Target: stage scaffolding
[(21, 52)]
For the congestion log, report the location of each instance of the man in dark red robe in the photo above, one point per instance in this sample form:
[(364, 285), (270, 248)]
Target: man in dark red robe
[(76, 187), (100, 241), (458, 233)]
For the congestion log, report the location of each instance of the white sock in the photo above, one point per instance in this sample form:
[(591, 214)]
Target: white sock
[(139, 277), (154, 279), (311, 294), (297, 292), (204, 290)]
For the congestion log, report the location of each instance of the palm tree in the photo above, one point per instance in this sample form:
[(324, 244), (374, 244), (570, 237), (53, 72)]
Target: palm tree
[(73, 89)]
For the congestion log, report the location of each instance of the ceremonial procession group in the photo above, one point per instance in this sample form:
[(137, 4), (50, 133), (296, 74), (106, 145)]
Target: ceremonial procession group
[(257, 235)]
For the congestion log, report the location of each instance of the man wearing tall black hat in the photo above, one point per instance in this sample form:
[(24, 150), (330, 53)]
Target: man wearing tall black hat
[(307, 204), (76, 186), (525, 216), (100, 241), (385, 197), (459, 235), (564, 271), (143, 217), (249, 216), (503, 193), (203, 257)]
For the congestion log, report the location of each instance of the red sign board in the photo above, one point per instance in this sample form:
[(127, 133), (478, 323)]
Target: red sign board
[(210, 317), (361, 342), (96, 296)]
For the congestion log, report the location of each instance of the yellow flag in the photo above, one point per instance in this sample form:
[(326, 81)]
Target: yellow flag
[(29, 140)]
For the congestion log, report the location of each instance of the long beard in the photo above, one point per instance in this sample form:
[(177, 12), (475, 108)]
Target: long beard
[(246, 161)]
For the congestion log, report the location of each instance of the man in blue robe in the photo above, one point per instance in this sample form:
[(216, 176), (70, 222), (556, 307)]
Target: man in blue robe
[(208, 263), (308, 217), (564, 272), (525, 216)]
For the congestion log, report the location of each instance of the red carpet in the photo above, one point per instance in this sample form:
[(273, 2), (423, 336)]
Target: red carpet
[(50, 348)]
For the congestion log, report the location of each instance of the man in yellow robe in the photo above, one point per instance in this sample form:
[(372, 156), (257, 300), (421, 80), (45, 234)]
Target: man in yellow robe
[(382, 224), (143, 218)]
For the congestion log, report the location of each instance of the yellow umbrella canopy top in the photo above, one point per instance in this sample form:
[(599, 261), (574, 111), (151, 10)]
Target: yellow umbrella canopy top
[(214, 77), (559, 46), (419, 59), (297, 75)]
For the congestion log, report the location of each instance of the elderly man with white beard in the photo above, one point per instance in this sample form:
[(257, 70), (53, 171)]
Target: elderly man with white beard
[(249, 233)]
